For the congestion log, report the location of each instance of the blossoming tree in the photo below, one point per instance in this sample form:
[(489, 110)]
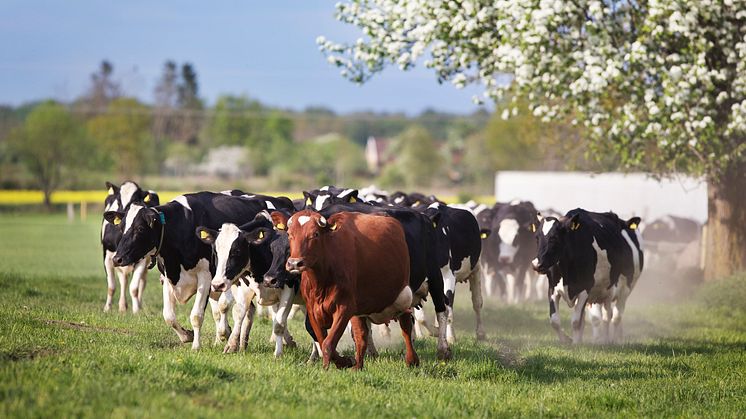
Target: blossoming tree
[(660, 83)]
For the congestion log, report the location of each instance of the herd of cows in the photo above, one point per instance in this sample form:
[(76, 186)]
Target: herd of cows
[(352, 259)]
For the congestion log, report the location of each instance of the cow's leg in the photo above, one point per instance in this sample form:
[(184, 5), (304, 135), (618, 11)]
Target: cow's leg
[(372, 351), (510, 285), (475, 286), (138, 277), (490, 282), (578, 318), (246, 325), (618, 312), (296, 308), (444, 351), (220, 304), (554, 318), (606, 319), (143, 283), (421, 327), (360, 334), (595, 311), (449, 286), (329, 347), (111, 281), (122, 289), (315, 346), (280, 321), (405, 321), (243, 296), (541, 286), (169, 313), (197, 316)]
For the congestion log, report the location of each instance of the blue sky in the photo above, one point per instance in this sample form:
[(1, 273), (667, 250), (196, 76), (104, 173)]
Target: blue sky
[(265, 49)]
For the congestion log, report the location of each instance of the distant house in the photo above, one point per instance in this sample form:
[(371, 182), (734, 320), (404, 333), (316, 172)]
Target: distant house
[(375, 153)]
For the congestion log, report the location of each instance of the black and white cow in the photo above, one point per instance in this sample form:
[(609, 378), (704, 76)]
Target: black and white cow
[(246, 262), (184, 261), (414, 199), (673, 245), (458, 250), (119, 198), (508, 248), (318, 199), (599, 258)]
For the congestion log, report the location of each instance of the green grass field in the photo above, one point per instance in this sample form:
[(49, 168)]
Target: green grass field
[(61, 356)]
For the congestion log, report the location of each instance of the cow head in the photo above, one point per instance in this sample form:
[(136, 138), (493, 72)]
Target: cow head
[(277, 276), (231, 248), (550, 236), (319, 199), (141, 233), (307, 231), (514, 225)]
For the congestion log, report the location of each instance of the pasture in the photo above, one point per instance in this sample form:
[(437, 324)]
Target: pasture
[(61, 356)]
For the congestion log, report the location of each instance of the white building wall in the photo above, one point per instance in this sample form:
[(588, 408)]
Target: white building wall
[(626, 194)]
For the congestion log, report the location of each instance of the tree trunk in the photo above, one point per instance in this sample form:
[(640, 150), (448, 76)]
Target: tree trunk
[(725, 249), (48, 198)]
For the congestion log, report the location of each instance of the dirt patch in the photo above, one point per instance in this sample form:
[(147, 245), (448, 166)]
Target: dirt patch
[(86, 327)]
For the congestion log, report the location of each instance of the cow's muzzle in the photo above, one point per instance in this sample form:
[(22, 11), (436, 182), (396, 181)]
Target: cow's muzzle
[(272, 281), (295, 265), (221, 286), (538, 268), (118, 260)]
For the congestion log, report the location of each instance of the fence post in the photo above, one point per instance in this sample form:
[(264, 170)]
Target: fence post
[(70, 212), (83, 210)]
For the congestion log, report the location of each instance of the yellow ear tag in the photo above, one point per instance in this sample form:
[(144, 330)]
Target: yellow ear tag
[(483, 235), (575, 226), (352, 199), (111, 191), (280, 226), (203, 234), (416, 204), (633, 226), (261, 235), (308, 201), (435, 225), (333, 227), (533, 228), (147, 198), (117, 221)]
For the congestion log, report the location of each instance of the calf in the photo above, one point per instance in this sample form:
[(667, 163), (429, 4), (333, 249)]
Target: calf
[(245, 260), (354, 267), (119, 198), (184, 261), (599, 258), (509, 246)]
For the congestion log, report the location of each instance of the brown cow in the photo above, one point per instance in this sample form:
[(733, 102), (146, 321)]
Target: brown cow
[(354, 266)]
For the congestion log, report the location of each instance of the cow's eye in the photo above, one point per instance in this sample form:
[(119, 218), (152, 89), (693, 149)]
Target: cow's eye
[(140, 229), (315, 234)]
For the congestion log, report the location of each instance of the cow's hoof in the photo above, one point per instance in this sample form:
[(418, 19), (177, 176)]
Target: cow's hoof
[(481, 336), (445, 355), (187, 337), (343, 362), (122, 308), (107, 308), (414, 361), (291, 344), (230, 347), (373, 353)]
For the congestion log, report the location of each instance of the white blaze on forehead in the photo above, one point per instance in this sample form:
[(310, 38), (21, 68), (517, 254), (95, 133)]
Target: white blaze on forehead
[(181, 199), (548, 224), (269, 205), (228, 192), (247, 196), (434, 205), (113, 206), (324, 188), (126, 192), (303, 219), (508, 230), (635, 253), (320, 202), (131, 215), (223, 243), (399, 199)]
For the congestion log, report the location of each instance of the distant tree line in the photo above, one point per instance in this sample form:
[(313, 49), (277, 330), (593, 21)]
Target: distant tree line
[(106, 134)]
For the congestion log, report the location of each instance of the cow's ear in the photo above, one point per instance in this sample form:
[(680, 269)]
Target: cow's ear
[(332, 224), (111, 188), (575, 222), (258, 235), (633, 223), (307, 199), (279, 220), (114, 217), (484, 233), (435, 218), (206, 235)]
